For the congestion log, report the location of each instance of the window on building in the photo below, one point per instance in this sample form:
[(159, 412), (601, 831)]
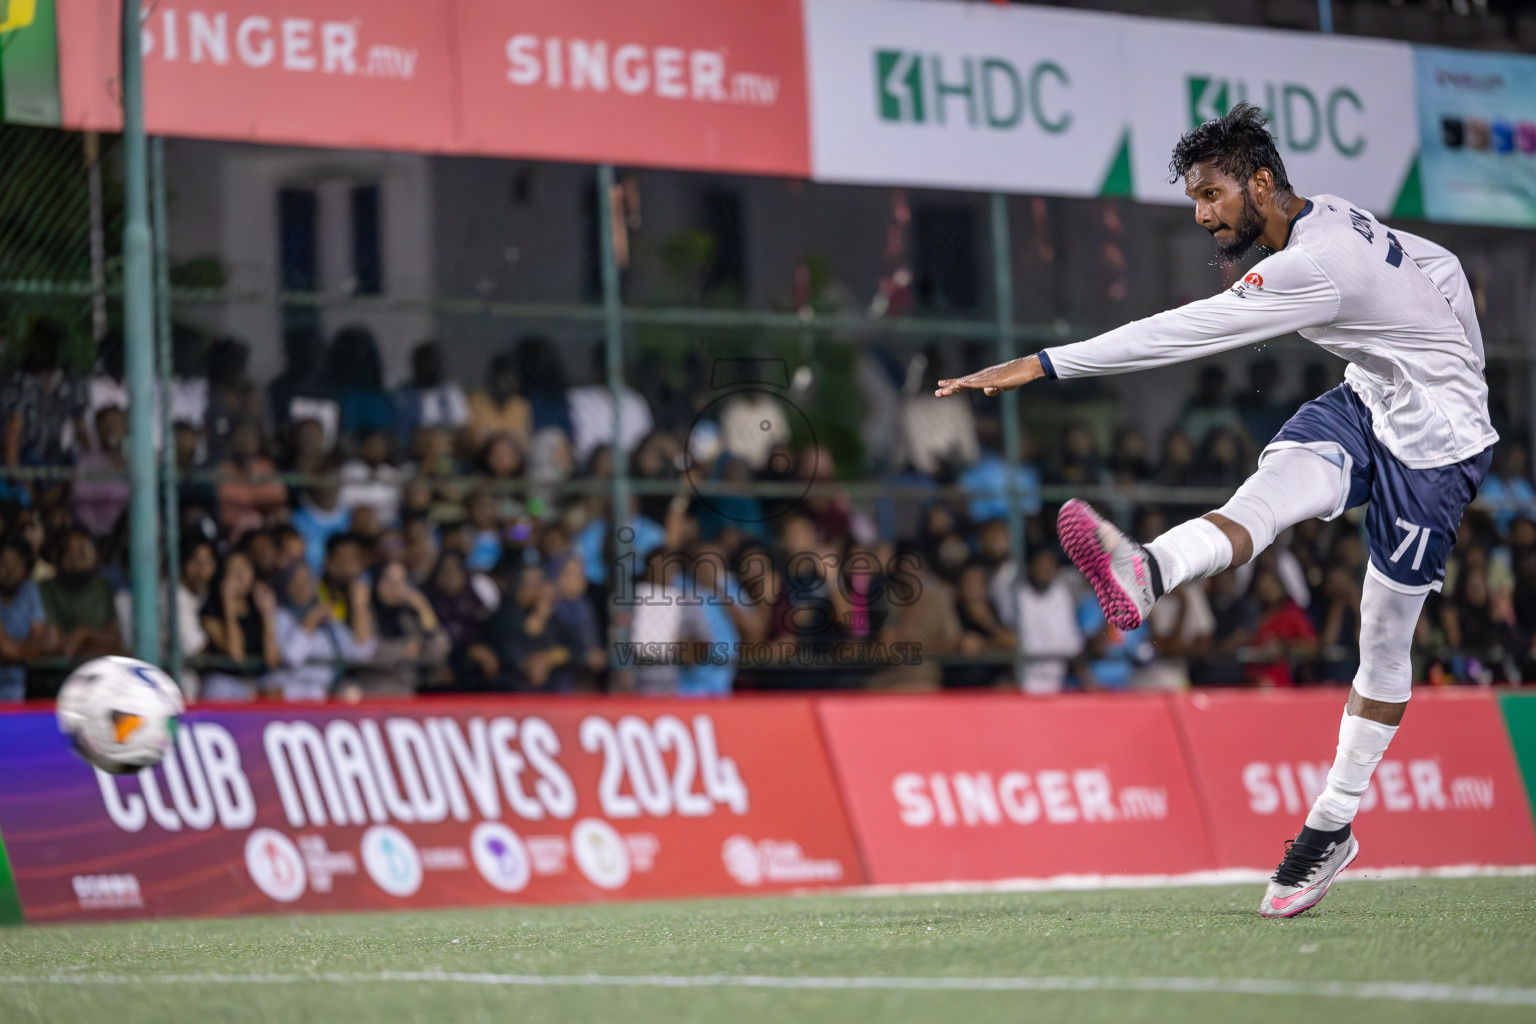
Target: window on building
[(367, 257), (725, 273), (946, 273), (298, 257), (591, 245)]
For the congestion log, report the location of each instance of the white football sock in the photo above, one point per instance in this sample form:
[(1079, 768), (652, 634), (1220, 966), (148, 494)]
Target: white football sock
[(1191, 551), (1361, 744)]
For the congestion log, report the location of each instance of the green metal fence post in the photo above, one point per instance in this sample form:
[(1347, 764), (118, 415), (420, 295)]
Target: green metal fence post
[(170, 496), (139, 339), (613, 338), (1002, 286)]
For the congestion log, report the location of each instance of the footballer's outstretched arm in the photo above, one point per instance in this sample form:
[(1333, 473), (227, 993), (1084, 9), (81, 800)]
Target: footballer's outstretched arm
[(1283, 293)]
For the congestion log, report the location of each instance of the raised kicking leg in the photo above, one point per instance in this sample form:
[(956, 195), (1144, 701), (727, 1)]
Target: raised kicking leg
[(1290, 485)]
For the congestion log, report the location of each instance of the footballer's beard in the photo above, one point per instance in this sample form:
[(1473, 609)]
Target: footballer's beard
[(1249, 226)]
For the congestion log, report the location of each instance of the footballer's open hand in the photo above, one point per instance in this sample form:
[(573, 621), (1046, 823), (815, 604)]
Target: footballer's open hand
[(994, 380)]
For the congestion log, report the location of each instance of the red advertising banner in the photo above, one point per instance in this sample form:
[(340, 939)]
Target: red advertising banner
[(1447, 791), (358, 73), (430, 804), (977, 788), (670, 83)]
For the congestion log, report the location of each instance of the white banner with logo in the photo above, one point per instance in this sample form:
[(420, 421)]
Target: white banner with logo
[(1342, 110), (1025, 99), (974, 96)]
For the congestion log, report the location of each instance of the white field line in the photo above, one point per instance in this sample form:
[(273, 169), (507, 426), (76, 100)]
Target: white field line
[(1225, 876), (1402, 991)]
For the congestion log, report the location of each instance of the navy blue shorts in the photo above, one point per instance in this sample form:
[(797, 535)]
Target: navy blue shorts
[(1415, 513)]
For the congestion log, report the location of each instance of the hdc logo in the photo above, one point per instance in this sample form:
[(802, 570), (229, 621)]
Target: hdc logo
[(982, 92), (1299, 120)]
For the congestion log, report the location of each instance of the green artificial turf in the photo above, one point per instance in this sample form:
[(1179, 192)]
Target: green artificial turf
[(1459, 932)]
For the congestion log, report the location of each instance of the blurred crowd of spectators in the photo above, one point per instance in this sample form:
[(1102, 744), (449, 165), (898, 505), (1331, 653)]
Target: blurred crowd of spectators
[(342, 540)]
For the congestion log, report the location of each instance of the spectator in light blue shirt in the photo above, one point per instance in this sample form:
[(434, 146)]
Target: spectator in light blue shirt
[(1113, 655), (1506, 493), (319, 517), (593, 544), (991, 486), (24, 629), (724, 599)]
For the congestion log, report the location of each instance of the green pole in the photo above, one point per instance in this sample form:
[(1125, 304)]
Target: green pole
[(1002, 286), (139, 340), (10, 899), (613, 345), (169, 499)]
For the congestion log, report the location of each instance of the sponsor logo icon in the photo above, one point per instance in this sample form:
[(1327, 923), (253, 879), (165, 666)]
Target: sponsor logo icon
[(324, 864), (600, 853), (900, 73), (107, 892), (275, 865), (1303, 118), (1484, 136), (1254, 282), (303, 44), (981, 92), (739, 854), (392, 860), (1420, 784), (444, 858), (548, 853), (774, 860), (500, 856), (631, 69), (1284, 902), (1051, 796)]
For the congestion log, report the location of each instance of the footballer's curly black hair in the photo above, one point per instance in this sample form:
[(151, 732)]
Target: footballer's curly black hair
[(1239, 143)]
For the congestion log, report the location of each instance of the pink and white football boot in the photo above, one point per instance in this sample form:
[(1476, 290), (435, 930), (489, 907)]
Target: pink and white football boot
[(1120, 570), (1303, 877)]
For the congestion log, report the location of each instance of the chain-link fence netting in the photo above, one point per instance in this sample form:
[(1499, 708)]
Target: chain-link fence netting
[(412, 353), (61, 227)]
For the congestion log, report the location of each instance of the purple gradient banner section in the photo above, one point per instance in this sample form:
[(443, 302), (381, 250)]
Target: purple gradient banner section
[(427, 804)]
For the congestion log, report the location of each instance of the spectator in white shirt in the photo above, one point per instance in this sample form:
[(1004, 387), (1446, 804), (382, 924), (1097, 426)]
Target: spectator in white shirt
[(427, 400), (199, 564), (106, 389), (591, 408), (1053, 641), (662, 617), (372, 479), (939, 433), (752, 423)]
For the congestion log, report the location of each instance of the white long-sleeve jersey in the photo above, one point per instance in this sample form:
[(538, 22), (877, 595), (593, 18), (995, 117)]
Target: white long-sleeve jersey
[(1396, 306)]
